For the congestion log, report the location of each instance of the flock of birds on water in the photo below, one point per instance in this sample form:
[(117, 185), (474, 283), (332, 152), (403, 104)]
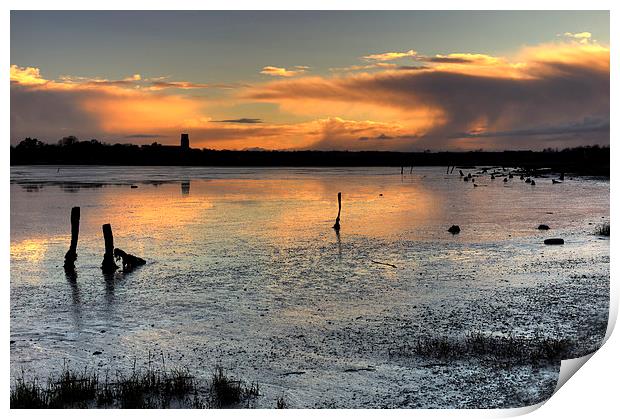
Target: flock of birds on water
[(523, 175)]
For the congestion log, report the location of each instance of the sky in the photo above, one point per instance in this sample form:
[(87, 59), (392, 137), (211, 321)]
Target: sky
[(325, 80)]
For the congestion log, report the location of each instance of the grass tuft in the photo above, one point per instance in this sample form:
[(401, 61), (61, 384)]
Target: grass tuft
[(150, 388), (488, 346), (227, 391)]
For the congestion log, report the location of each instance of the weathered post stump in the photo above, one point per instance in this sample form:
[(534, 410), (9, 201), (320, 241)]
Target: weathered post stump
[(71, 255), (108, 265), (129, 261), (337, 223)]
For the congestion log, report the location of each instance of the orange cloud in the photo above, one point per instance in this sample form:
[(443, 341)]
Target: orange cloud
[(130, 112), (464, 58), (552, 92), (557, 84), (389, 56), (379, 65), (283, 72), (29, 76)]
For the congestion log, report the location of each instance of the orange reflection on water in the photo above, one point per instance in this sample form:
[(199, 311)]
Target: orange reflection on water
[(185, 216), (276, 208), (32, 252)]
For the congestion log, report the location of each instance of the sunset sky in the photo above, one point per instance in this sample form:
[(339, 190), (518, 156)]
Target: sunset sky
[(398, 80)]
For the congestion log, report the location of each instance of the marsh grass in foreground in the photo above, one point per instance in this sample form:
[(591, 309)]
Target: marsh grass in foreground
[(142, 388), (227, 392), (477, 345)]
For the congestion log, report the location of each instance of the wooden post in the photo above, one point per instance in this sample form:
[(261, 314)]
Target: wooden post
[(401, 169), (337, 224), (108, 264), (71, 254)]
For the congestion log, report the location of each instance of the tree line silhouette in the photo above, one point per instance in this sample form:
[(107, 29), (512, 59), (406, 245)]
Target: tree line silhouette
[(589, 160)]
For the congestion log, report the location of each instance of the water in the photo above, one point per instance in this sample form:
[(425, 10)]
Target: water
[(245, 271)]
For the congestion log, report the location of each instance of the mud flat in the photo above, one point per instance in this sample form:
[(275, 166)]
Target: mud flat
[(246, 272)]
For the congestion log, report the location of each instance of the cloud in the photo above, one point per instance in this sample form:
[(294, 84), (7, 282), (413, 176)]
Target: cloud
[(31, 76), (185, 85), (553, 84), (379, 137), (88, 107), (242, 121), (556, 93), (412, 67), (587, 125), (581, 37), (283, 72), (379, 65), (341, 134), (26, 76), (389, 56), (142, 136), (462, 58)]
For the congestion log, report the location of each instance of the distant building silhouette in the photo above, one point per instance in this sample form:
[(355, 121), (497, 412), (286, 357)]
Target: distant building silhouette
[(185, 141)]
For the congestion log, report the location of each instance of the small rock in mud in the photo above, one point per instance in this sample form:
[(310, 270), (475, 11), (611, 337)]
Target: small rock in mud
[(554, 241), (454, 229), (12, 342), (97, 353), (543, 227)]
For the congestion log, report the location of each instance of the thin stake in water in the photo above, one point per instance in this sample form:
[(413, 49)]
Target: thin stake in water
[(337, 223)]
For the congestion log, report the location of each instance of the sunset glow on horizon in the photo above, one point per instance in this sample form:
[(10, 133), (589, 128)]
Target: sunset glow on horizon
[(124, 81)]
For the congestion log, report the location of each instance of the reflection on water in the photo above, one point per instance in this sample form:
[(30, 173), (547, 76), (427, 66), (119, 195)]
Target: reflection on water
[(185, 187), (247, 271), (337, 232), (76, 300)]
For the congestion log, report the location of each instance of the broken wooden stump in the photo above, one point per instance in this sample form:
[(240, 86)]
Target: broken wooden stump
[(128, 261), (71, 255), (337, 223), (454, 229), (108, 265)]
